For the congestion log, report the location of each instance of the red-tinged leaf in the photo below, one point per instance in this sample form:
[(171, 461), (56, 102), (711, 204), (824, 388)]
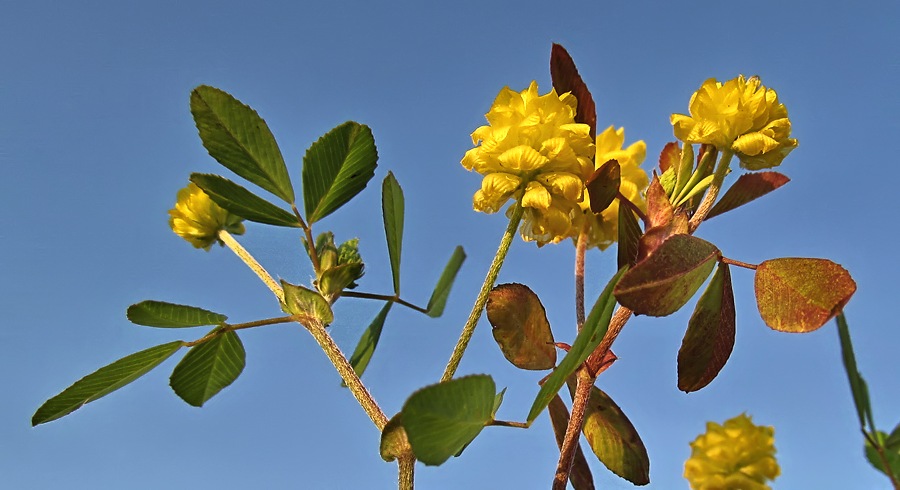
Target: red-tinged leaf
[(614, 439), (629, 237), (580, 476), (659, 209), (747, 188), (709, 339), (668, 278), (800, 295), (520, 327), (566, 79), (669, 156), (603, 185), (656, 236)]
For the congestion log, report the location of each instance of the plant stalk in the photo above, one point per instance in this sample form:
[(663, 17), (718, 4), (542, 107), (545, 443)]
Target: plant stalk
[(407, 472), (251, 262), (481, 300), (713, 192), (573, 431)]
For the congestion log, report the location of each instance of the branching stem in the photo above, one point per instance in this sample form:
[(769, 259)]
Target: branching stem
[(383, 297), (713, 192)]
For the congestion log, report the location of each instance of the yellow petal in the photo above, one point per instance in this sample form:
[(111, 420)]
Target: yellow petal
[(522, 158), (536, 196)]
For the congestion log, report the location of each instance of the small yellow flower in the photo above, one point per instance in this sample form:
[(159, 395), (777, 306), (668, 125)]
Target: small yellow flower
[(533, 148), (197, 219), (734, 456), (604, 227), (740, 115)]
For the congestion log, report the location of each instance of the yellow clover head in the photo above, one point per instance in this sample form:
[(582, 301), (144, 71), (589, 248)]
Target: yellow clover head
[(734, 456), (532, 147), (604, 227), (740, 115), (197, 219)]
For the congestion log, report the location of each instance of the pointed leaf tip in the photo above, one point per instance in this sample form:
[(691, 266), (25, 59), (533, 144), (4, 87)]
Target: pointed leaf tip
[(441, 292), (392, 205), (566, 79), (746, 188)]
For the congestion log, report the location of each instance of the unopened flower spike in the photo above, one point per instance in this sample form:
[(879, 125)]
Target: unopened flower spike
[(740, 116), (603, 228), (736, 455), (197, 219), (533, 149)]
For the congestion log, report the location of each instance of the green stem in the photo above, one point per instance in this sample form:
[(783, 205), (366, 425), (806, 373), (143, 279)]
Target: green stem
[(493, 272), (407, 471), (240, 326), (382, 297), (251, 262), (713, 192), (348, 375)]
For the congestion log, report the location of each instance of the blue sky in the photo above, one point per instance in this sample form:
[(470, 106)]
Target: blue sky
[(96, 138)]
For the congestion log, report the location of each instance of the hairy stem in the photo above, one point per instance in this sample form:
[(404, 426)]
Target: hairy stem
[(251, 262), (407, 468), (713, 192), (573, 431), (348, 375), (580, 249), (493, 272), (240, 326)]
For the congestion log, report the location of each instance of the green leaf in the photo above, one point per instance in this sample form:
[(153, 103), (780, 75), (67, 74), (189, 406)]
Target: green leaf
[(800, 295), (239, 139), (746, 188), (590, 336), (169, 315), (629, 237), (369, 341), (580, 476), (240, 201), (684, 169), (442, 419), (695, 183), (207, 368), (565, 78), (520, 327), (614, 439), (302, 301), (103, 382), (663, 282), (337, 167), (392, 211), (858, 387), (603, 185), (891, 448), (441, 292), (709, 339)]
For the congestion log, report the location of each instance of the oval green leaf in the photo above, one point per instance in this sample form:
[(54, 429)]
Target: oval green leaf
[(800, 295), (438, 300), (103, 382), (337, 167), (580, 476), (169, 315), (207, 368), (302, 301), (240, 140), (746, 188), (666, 280), (709, 339), (614, 440), (520, 327), (392, 212), (240, 201), (590, 336), (442, 419)]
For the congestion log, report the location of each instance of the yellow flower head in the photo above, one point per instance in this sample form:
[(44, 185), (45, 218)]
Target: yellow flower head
[(197, 219), (734, 456), (532, 147), (740, 115), (604, 227)]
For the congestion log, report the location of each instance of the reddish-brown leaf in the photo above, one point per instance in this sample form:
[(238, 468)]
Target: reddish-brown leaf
[(800, 295), (669, 156), (580, 476), (520, 327), (747, 188), (709, 339), (603, 185), (659, 209), (666, 280), (654, 237), (566, 79)]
